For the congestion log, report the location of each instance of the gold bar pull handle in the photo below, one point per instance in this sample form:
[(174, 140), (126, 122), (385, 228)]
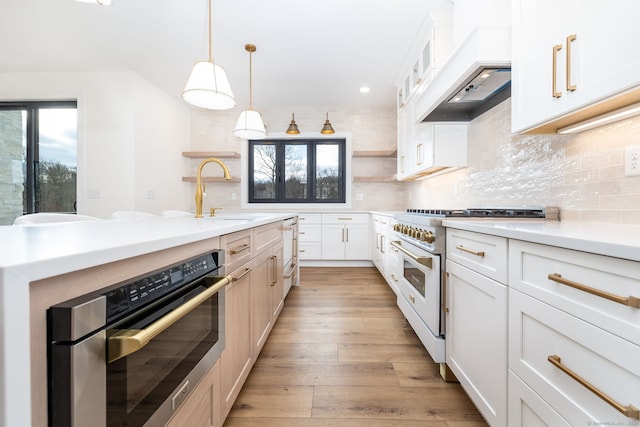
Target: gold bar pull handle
[(629, 410), (238, 250), (246, 271), (419, 159), (630, 301), (423, 260), (469, 251), (128, 341), (571, 38), (274, 263), (554, 70)]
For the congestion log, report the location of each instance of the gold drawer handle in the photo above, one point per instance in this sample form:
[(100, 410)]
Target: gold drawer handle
[(469, 251), (412, 298), (630, 301), (554, 71), (629, 411), (246, 271), (242, 249), (570, 39)]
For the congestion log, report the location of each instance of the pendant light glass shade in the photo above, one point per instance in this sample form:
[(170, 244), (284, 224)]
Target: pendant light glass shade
[(250, 124), (327, 129), (293, 127), (208, 86)]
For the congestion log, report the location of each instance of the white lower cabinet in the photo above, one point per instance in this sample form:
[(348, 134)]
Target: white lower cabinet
[(476, 319), (527, 408), (309, 236), (477, 339), (345, 236), (573, 337)]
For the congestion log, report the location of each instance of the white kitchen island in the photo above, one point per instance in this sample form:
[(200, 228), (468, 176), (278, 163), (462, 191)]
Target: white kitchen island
[(54, 262)]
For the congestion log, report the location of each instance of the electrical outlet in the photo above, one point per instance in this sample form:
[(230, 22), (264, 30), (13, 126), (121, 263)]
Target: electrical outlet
[(632, 161)]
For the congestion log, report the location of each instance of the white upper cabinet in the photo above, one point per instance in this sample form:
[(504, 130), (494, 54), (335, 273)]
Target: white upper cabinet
[(568, 56)]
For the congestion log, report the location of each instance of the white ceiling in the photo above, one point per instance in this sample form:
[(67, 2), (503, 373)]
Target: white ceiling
[(310, 53)]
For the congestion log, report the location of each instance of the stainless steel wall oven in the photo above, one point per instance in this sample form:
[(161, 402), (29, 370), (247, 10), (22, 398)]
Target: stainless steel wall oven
[(130, 354)]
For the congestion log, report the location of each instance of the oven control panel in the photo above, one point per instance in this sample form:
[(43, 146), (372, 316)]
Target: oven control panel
[(147, 289)]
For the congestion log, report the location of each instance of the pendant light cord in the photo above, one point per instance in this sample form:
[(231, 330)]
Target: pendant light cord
[(210, 32), (250, 80)]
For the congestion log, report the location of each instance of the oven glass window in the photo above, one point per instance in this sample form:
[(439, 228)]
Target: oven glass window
[(140, 382), (415, 277)]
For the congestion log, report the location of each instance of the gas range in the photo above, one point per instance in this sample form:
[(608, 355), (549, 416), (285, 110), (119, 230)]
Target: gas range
[(423, 227)]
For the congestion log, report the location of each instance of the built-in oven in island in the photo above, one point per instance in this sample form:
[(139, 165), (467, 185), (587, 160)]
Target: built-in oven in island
[(129, 355)]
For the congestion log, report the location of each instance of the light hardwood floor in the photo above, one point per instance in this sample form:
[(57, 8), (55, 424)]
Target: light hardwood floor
[(342, 355)]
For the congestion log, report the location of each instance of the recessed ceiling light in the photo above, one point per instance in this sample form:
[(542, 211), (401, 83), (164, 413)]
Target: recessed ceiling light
[(100, 2), (365, 89)]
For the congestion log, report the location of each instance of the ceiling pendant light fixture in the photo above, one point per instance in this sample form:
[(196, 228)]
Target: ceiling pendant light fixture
[(293, 127), (208, 86), (250, 124), (327, 129)]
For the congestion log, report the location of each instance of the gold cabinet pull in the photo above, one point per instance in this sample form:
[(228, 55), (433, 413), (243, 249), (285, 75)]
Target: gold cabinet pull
[(242, 249), (570, 38), (246, 271), (128, 341), (469, 251), (274, 264), (629, 410), (630, 301), (393, 276), (412, 298), (557, 48), (419, 159), (426, 261)]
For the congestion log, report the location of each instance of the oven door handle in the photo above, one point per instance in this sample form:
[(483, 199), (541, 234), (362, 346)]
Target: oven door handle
[(128, 341), (426, 261)]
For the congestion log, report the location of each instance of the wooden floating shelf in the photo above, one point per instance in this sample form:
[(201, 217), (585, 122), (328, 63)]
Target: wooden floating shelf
[(375, 153), (209, 179), (374, 179), (207, 154)]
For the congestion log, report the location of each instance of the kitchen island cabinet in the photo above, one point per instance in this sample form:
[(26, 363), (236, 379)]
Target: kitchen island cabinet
[(574, 316), (46, 264)]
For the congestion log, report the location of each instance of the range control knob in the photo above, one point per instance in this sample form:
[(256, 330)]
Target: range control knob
[(430, 237)]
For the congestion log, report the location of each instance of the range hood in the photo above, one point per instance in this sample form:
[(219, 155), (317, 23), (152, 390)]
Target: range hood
[(475, 78)]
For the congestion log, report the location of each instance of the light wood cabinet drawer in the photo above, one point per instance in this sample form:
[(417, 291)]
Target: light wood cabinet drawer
[(588, 275), (237, 248), (568, 361), (480, 252), (310, 233), (267, 235), (345, 218), (309, 219), (310, 250)]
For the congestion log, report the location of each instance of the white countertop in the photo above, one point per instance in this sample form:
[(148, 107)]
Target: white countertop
[(44, 250), (616, 240)]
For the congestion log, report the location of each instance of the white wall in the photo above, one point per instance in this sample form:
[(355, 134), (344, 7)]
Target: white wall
[(130, 136)]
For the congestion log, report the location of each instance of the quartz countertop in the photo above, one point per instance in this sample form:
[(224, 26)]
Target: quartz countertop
[(615, 240), (36, 251)]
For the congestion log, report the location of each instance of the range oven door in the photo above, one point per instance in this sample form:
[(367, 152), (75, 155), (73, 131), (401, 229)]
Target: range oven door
[(155, 359), (420, 283), (137, 371)]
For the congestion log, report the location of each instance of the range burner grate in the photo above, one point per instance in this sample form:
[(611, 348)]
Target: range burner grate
[(482, 212)]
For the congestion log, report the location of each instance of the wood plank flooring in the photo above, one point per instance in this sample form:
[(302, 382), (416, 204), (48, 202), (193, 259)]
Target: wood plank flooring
[(342, 355)]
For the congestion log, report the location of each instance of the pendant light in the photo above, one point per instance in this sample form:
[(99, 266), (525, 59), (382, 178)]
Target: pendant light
[(327, 129), (208, 86), (250, 124), (293, 127)]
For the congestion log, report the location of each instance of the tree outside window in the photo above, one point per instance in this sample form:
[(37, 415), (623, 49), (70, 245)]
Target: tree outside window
[(300, 171), (38, 158)]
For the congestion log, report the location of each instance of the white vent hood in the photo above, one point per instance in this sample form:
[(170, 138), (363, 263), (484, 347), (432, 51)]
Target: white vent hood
[(484, 49)]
